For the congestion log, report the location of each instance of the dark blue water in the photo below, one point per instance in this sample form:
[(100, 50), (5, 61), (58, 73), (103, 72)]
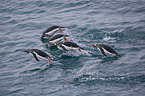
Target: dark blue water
[(118, 23)]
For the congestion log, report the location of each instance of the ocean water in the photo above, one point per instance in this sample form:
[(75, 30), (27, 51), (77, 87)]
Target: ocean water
[(118, 23)]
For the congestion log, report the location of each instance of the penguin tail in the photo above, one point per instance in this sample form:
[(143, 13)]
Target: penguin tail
[(50, 61), (64, 39), (81, 48)]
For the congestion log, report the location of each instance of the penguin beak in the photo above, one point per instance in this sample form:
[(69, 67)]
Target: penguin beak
[(93, 45), (23, 51), (59, 30), (52, 45)]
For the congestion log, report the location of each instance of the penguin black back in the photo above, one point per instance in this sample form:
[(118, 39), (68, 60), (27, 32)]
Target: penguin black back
[(39, 52), (108, 48), (51, 28), (71, 44), (56, 36)]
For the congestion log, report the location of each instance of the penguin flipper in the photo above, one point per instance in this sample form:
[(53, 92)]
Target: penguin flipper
[(79, 50), (64, 48), (34, 55), (102, 51)]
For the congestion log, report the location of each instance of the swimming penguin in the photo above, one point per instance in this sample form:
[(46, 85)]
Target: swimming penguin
[(105, 49), (51, 31), (68, 45), (38, 53), (56, 38)]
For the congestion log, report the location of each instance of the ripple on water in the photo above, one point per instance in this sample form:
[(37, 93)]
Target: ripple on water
[(119, 24)]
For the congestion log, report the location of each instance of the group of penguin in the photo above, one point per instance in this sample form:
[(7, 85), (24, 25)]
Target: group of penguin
[(60, 41)]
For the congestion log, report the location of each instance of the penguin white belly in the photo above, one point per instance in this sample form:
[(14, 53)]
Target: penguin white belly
[(31, 54), (99, 49), (70, 48), (60, 48), (107, 52), (45, 37), (56, 40), (51, 32), (40, 56)]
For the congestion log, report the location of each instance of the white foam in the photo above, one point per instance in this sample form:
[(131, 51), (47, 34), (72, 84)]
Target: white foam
[(109, 39)]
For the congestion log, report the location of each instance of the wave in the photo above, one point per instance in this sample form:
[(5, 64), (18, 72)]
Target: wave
[(113, 80)]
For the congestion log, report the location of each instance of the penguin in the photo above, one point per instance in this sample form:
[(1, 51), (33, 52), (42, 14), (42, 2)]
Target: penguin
[(105, 49), (68, 45), (57, 38), (38, 53), (51, 31)]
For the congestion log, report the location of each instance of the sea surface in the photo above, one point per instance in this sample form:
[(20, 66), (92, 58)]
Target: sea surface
[(117, 23)]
